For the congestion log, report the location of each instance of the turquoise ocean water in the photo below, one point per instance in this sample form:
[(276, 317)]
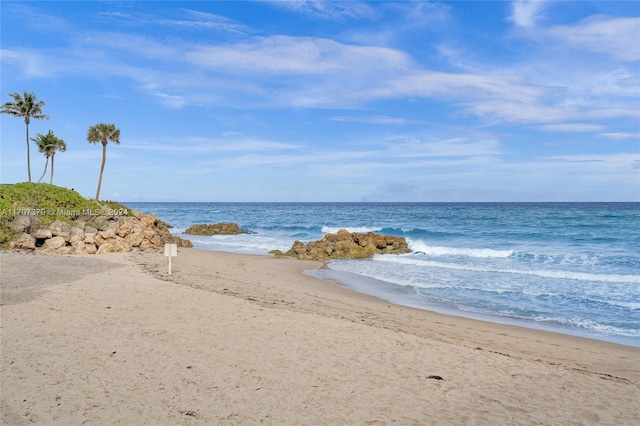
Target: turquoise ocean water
[(572, 268)]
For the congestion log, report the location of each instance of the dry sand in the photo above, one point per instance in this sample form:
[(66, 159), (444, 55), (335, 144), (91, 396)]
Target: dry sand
[(237, 339)]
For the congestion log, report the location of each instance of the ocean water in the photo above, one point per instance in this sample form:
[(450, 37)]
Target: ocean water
[(572, 268)]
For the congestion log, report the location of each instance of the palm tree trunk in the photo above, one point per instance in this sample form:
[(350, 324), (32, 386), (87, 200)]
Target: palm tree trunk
[(104, 159), (52, 157), (26, 120), (45, 169)]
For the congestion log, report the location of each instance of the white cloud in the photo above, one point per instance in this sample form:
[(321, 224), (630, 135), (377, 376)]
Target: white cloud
[(337, 11), (525, 13), (171, 101), (472, 90), (297, 55), (198, 19), (619, 136), (229, 142), (31, 63), (616, 36), (403, 147), (572, 127), (286, 71), (313, 73), (373, 119), (184, 18), (597, 167)]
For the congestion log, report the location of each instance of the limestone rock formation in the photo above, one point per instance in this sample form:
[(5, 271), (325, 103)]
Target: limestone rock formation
[(99, 234), (216, 229), (347, 245)]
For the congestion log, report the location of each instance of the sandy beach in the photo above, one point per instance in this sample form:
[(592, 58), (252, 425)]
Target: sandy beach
[(240, 339)]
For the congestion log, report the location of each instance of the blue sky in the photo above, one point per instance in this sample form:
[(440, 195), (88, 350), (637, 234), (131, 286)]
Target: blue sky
[(319, 101)]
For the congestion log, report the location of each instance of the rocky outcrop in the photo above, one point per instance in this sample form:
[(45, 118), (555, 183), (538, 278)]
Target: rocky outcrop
[(347, 245), (216, 229), (98, 235)]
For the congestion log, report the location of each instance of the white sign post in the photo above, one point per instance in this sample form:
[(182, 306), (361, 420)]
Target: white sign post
[(170, 251)]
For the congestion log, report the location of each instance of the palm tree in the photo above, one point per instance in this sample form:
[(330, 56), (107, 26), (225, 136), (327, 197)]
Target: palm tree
[(61, 146), (44, 142), (48, 145), (27, 106), (103, 133)]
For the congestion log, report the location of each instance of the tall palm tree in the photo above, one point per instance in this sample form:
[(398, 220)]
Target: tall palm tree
[(27, 106), (48, 145), (103, 133)]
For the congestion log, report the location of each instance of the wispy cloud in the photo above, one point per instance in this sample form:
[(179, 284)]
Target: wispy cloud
[(618, 37), (525, 13), (620, 136), (572, 127), (594, 166), (36, 20), (563, 69), (296, 55), (315, 72), (171, 101), (302, 72), (228, 143), (373, 119), (185, 19), (198, 19), (403, 153), (398, 99), (333, 10)]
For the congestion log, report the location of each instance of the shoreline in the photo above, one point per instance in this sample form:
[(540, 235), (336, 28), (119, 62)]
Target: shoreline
[(239, 338), (393, 293)]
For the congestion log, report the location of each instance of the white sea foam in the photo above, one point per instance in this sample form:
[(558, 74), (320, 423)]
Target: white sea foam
[(556, 274), (242, 243), (361, 229), (634, 306), (421, 246), (589, 325)]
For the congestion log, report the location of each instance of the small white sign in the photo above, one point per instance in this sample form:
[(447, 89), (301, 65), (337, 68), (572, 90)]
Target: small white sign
[(170, 251)]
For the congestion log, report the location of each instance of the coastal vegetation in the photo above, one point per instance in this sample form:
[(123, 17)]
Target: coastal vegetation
[(55, 220), (42, 204), (27, 106)]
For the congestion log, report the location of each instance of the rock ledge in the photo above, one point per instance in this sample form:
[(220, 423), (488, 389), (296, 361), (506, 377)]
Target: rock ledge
[(347, 245), (98, 235), (216, 229)]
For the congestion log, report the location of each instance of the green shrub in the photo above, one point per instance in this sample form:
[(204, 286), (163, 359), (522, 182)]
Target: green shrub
[(47, 203)]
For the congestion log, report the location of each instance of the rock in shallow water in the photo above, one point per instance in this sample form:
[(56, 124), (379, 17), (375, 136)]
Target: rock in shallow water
[(347, 245), (216, 229)]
